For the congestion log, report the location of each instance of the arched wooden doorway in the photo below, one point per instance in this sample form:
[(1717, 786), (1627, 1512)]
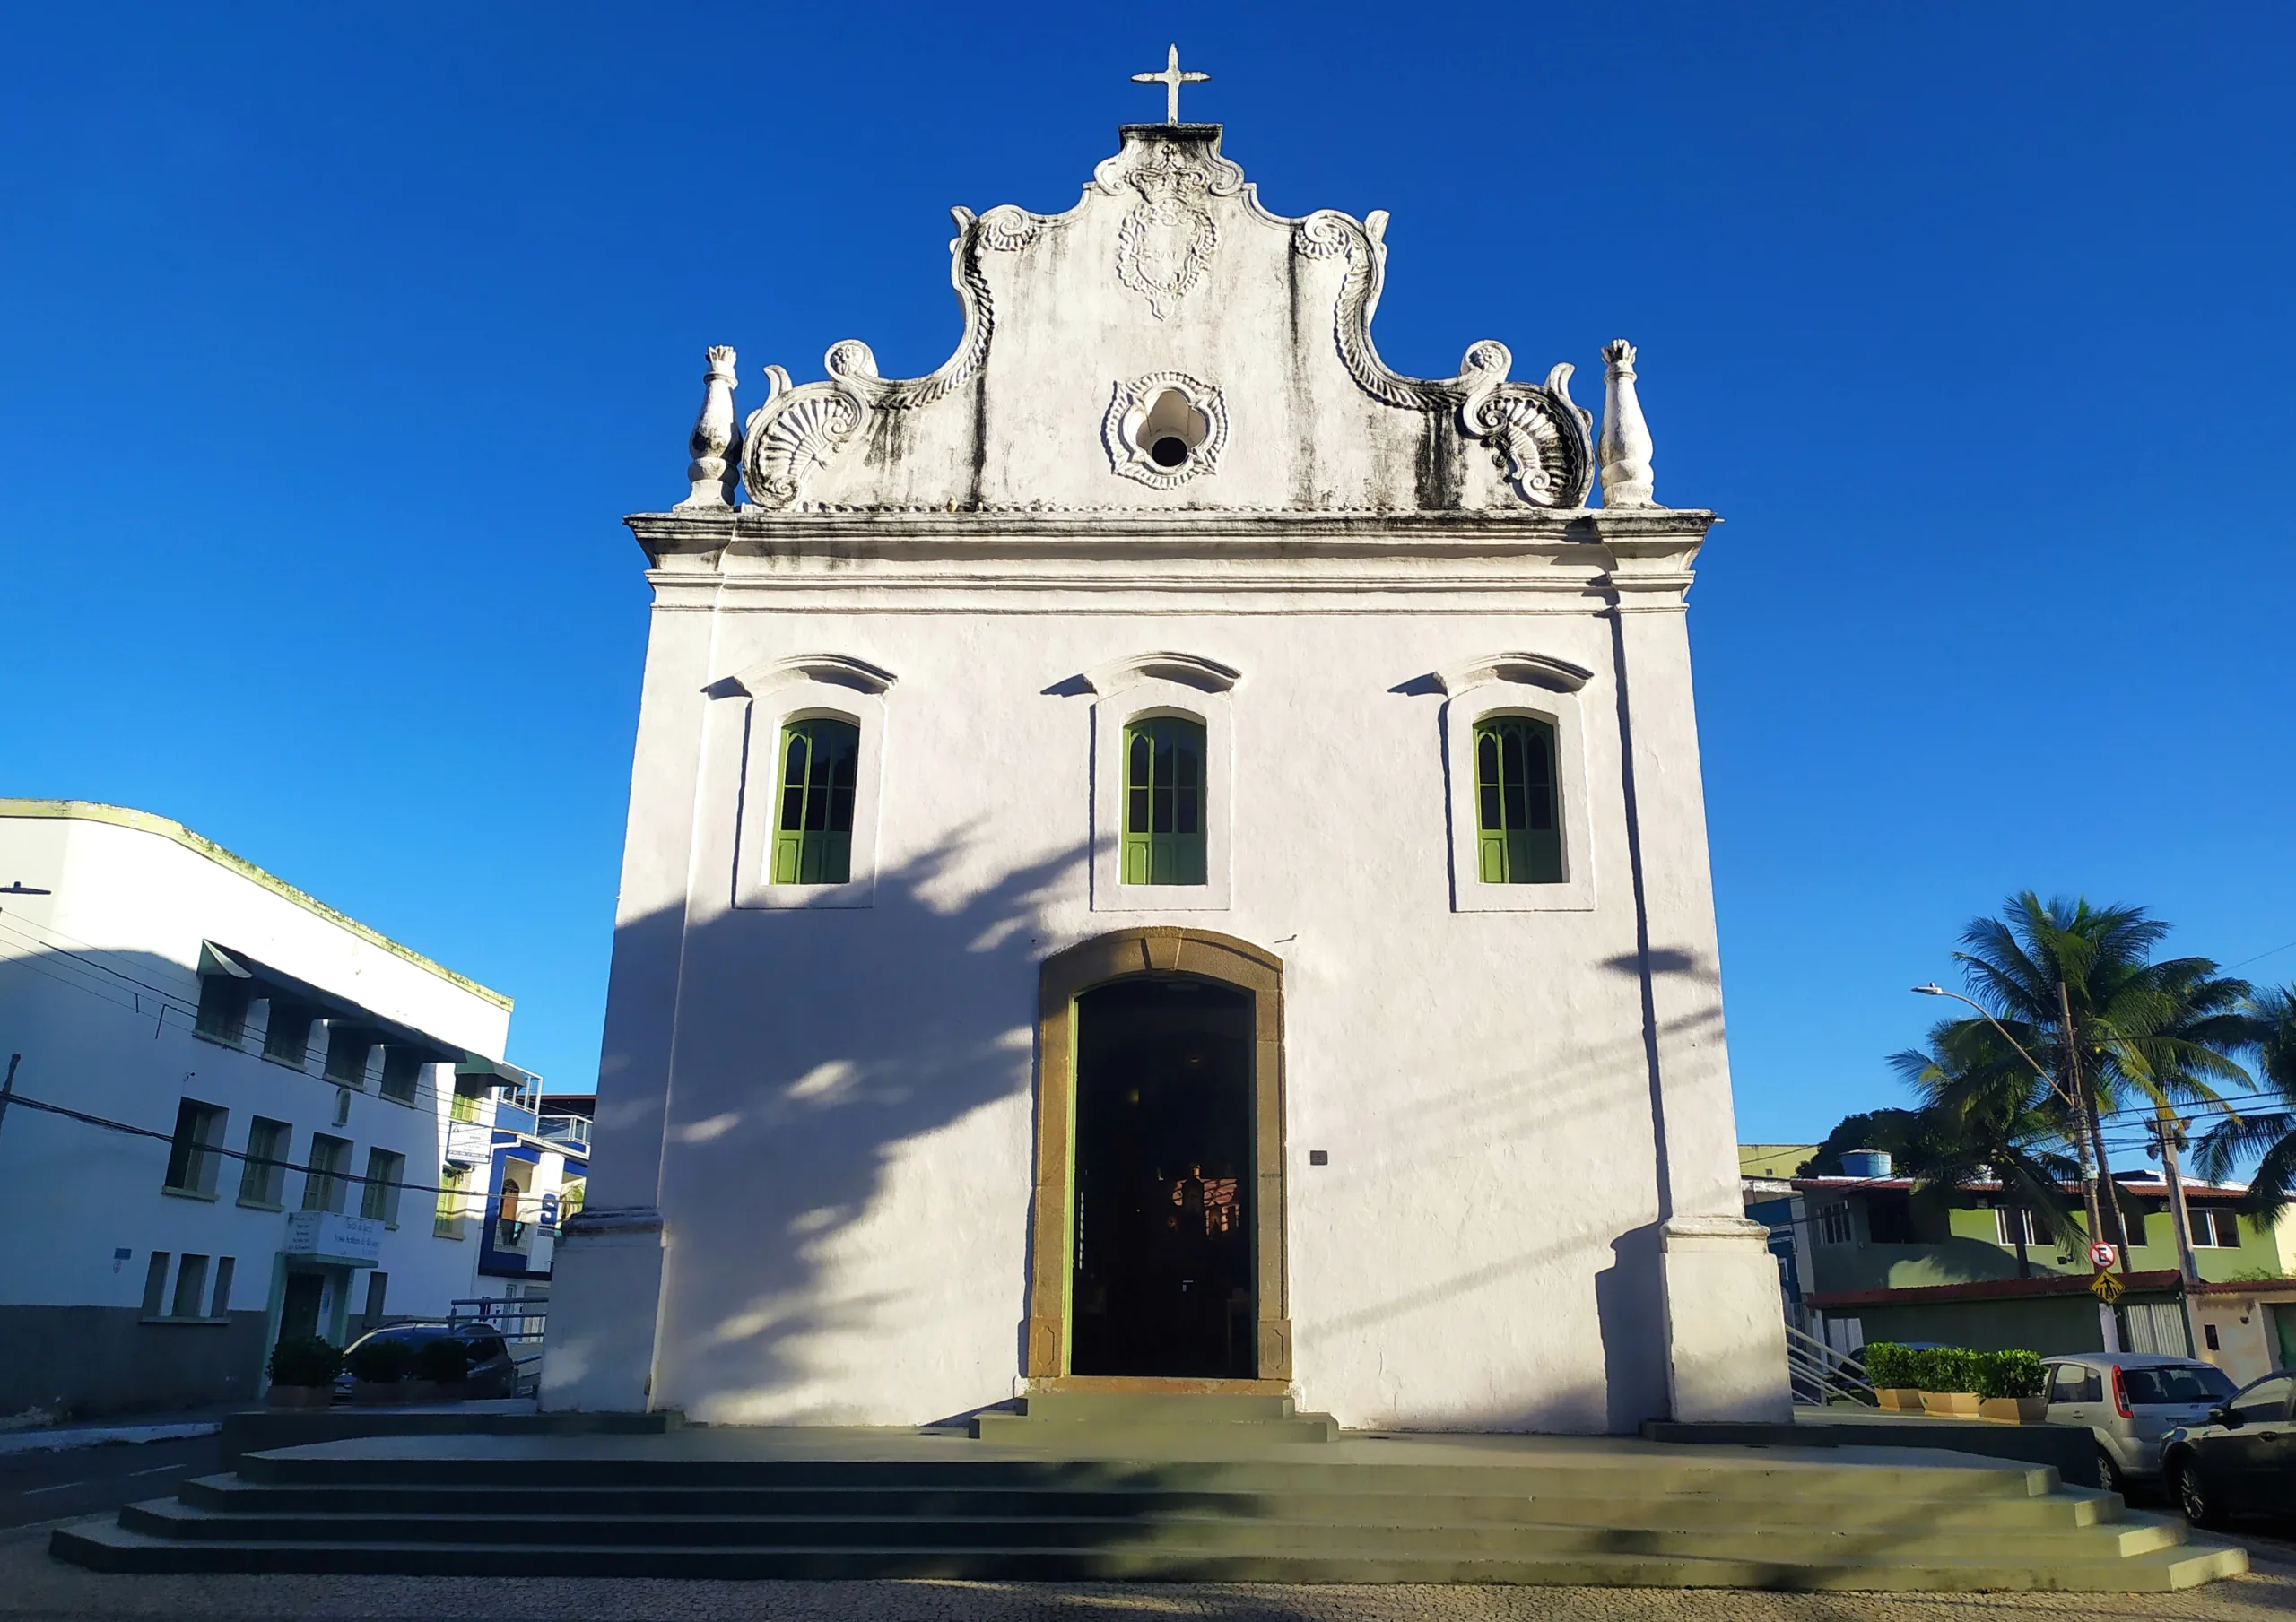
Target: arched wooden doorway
[(1225, 967)]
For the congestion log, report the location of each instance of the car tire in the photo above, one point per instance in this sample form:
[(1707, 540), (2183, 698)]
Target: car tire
[(2190, 1489), (2109, 1474)]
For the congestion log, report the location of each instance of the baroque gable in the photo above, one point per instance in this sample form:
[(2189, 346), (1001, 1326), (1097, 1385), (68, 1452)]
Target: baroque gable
[(1168, 343)]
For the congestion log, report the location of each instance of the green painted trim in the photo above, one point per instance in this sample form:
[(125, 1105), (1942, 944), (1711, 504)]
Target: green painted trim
[(146, 822)]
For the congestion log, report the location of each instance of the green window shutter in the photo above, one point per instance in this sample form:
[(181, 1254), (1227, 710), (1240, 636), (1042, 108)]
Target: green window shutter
[(1518, 822), (813, 835), (1165, 794)]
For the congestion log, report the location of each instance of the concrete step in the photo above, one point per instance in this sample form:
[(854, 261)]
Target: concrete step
[(172, 1519), (2066, 1510), (110, 1547), (1122, 1419), (1136, 1407), (1255, 1472)]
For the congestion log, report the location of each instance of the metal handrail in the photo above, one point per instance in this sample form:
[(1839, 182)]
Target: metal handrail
[(1819, 1374)]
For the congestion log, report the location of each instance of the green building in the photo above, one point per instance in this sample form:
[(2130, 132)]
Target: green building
[(1874, 1258)]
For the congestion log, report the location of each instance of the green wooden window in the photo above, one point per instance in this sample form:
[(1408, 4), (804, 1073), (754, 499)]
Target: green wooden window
[(1518, 831), (812, 837), (1164, 802)]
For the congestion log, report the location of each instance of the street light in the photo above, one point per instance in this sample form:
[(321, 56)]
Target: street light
[(1934, 990)]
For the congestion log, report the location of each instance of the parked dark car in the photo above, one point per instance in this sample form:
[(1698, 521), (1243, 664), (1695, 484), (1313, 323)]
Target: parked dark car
[(2241, 1460), (493, 1372)]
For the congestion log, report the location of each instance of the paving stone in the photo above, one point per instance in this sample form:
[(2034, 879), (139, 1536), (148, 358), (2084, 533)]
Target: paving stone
[(34, 1588)]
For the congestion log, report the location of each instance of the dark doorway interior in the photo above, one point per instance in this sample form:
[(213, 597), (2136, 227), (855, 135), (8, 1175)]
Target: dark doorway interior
[(298, 1309), (1164, 1261)]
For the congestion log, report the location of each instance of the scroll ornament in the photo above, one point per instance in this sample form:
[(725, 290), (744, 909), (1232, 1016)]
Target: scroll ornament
[(800, 428), (1536, 433)]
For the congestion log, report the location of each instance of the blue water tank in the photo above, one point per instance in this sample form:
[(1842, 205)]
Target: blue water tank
[(1866, 1163)]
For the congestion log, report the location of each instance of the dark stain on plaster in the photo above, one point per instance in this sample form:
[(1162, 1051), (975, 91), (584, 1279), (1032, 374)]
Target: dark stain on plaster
[(1435, 478), (1304, 424), (980, 436)]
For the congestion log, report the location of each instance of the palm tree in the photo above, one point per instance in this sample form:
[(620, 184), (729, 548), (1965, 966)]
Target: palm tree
[(2271, 1134), (1986, 1116), (2076, 985)]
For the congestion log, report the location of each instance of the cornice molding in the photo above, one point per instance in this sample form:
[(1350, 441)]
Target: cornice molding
[(1643, 533)]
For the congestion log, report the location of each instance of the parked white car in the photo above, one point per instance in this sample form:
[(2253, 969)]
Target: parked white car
[(2131, 1401)]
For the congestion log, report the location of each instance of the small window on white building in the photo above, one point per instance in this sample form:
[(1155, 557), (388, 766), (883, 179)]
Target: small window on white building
[(263, 1175), (191, 1288), (378, 1201), (287, 1032), (806, 738), (348, 1047), (328, 1178), (402, 1073), (1833, 1223), (219, 1305), (192, 1160), (447, 1224), (155, 1282), (223, 1008), (1515, 785)]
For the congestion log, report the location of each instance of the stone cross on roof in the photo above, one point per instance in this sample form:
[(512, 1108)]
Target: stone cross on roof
[(1171, 79)]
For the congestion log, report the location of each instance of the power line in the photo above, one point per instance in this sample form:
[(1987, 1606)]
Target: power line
[(131, 1130), (190, 1015), (2283, 947)]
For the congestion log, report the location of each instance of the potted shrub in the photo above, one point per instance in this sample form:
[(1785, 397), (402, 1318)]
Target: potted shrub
[(303, 1368), (384, 1370), (2009, 1386), (1890, 1368), (1947, 1376), (444, 1365)]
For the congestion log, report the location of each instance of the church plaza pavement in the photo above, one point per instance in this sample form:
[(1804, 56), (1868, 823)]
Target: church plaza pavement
[(34, 1588)]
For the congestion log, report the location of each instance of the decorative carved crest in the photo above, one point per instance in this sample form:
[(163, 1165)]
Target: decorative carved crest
[(1166, 179), (1536, 433), (1166, 243)]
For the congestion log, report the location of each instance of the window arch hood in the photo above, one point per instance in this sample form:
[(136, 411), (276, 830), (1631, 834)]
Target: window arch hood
[(823, 670), (1183, 670), (1524, 669)]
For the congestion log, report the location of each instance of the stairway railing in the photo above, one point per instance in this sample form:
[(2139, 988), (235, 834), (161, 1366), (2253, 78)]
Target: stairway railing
[(1819, 1376)]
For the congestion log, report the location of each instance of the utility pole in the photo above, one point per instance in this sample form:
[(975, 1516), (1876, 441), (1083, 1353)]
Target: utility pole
[(2066, 1084), (9, 1084), (2170, 1132), (2106, 1324)]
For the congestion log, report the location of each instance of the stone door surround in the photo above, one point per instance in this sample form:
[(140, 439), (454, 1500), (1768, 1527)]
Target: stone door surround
[(1065, 977)]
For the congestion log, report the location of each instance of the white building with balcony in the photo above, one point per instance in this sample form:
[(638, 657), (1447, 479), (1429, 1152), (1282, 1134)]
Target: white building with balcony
[(541, 1162), (235, 1114)]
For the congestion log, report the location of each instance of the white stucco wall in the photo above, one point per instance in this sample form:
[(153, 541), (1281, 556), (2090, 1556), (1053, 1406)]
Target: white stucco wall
[(813, 1146), (85, 975)]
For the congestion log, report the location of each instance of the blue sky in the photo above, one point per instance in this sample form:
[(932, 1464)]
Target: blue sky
[(337, 343)]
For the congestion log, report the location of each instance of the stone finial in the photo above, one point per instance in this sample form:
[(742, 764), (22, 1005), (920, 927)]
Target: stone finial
[(716, 443), (1624, 448)]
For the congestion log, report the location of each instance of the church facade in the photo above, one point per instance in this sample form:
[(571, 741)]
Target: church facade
[(1166, 855)]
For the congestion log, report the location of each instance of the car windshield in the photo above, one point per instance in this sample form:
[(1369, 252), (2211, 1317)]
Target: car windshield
[(2177, 1382)]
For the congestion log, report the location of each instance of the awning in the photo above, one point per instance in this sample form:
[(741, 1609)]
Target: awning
[(475, 1070), (265, 981)]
